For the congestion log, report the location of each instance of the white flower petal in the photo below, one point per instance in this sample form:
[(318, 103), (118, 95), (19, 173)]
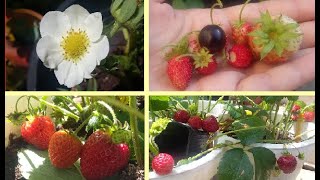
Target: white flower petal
[(62, 71), (101, 49), (75, 76), (93, 25), (49, 52), (88, 63), (54, 23), (77, 15)]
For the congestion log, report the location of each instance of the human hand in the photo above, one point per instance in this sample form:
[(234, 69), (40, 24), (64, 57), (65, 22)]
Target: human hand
[(168, 26)]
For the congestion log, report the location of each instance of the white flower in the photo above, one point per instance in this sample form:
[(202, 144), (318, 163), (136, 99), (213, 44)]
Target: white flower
[(72, 44)]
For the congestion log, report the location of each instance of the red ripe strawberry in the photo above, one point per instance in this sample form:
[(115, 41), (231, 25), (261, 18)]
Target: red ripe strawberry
[(162, 164), (100, 157), (211, 68), (287, 163), (240, 56), (240, 33), (294, 117), (181, 116), (210, 124), (308, 116), (64, 149), (124, 152), (179, 72), (204, 62), (38, 131), (295, 108), (195, 122)]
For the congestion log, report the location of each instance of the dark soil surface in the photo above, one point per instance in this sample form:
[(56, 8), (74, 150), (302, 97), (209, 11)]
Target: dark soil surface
[(12, 168), (132, 172)]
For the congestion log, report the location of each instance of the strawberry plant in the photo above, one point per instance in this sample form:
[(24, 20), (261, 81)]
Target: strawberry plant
[(249, 122), (81, 137)]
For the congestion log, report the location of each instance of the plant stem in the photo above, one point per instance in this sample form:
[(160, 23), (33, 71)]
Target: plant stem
[(209, 105), (242, 8), (79, 108), (94, 113), (127, 37), (287, 124), (134, 130), (214, 105), (16, 106), (109, 108), (123, 107), (230, 132), (219, 3), (57, 108), (274, 119)]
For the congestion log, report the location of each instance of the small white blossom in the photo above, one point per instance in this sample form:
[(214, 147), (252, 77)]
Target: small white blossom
[(72, 44)]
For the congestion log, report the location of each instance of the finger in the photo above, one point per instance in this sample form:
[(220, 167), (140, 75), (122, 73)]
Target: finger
[(299, 71), (219, 81), (308, 29), (299, 10)]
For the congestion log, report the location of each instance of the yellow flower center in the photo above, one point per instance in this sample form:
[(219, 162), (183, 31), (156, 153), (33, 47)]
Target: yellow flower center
[(75, 44)]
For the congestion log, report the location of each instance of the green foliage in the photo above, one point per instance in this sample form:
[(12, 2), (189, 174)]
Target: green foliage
[(180, 48), (158, 103), (235, 164), (158, 126), (250, 136), (264, 161), (186, 4)]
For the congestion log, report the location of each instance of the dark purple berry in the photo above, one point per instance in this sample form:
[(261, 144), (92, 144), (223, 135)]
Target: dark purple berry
[(213, 38)]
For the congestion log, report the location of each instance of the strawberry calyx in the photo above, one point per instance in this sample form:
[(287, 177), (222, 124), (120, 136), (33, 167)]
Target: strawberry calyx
[(273, 34), (202, 58)]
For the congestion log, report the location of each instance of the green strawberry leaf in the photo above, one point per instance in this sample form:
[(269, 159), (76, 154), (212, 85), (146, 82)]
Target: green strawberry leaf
[(250, 136), (115, 5), (264, 160), (235, 164), (266, 49), (158, 103), (35, 165), (126, 11), (300, 103), (158, 126)]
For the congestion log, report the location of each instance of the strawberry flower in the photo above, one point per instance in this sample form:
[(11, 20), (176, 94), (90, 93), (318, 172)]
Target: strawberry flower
[(72, 44)]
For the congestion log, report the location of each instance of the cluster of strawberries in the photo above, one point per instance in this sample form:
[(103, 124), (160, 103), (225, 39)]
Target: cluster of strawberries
[(307, 116), (99, 157), (273, 39), (208, 124)]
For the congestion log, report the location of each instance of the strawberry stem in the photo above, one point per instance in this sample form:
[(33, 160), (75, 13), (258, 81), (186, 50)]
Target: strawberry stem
[(219, 3), (109, 108), (134, 129), (16, 106), (242, 8), (94, 113)]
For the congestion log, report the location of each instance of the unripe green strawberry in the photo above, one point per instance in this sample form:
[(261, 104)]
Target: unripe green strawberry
[(64, 149), (38, 131), (275, 38), (100, 157)]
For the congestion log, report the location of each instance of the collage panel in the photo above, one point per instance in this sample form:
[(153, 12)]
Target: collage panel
[(74, 137), (74, 45), (232, 45), (223, 137)]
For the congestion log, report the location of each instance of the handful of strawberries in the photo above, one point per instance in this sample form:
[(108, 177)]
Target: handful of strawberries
[(271, 39)]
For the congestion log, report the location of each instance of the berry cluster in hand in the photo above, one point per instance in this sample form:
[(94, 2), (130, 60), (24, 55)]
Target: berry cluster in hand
[(208, 124), (272, 39)]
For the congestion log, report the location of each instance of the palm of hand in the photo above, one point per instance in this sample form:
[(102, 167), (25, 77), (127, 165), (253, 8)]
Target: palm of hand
[(167, 26)]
